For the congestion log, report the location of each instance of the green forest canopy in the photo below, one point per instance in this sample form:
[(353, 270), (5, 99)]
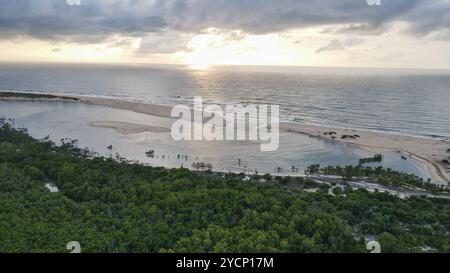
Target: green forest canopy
[(111, 206)]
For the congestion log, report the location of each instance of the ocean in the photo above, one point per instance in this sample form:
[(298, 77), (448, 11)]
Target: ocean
[(412, 102)]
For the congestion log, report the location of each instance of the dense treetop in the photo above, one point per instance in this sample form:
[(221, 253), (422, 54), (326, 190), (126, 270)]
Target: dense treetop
[(111, 206)]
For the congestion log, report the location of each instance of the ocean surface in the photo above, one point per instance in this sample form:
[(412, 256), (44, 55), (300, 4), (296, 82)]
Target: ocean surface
[(393, 101), (412, 102)]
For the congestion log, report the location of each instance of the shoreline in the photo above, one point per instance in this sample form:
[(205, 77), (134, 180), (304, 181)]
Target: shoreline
[(427, 151), (430, 152)]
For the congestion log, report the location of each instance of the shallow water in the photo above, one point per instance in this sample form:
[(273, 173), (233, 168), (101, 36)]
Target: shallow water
[(70, 120)]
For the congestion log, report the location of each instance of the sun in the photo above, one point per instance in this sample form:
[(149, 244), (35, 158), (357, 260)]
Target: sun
[(200, 59)]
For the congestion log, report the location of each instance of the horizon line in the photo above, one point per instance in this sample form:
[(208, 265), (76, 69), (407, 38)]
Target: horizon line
[(219, 65)]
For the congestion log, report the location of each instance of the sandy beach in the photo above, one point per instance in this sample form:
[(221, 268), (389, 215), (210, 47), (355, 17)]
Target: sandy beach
[(431, 152), (138, 107)]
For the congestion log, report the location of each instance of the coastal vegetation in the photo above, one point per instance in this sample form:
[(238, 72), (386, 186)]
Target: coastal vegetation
[(387, 177), (150, 153), (34, 96), (375, 159), (109, 205), (350, 136)]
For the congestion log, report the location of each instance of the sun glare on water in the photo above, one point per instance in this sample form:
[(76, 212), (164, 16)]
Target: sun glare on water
[(199, 67)]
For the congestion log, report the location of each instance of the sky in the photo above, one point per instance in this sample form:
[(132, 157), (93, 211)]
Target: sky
[(202, 33)]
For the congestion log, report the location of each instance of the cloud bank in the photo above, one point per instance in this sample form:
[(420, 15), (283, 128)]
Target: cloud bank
[(97, 19)]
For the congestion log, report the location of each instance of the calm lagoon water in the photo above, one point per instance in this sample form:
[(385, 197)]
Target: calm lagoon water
[(70, 120)]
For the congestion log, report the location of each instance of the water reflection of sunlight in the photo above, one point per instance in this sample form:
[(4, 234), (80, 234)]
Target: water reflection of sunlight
[(199, 67)]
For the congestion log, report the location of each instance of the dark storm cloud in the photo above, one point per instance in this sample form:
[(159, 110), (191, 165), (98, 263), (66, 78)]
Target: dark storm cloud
[(431, 16), (97, 19)]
